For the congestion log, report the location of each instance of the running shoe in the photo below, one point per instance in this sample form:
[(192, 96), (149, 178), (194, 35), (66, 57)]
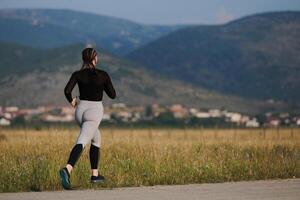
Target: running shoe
[(97, 179), (65, 178)]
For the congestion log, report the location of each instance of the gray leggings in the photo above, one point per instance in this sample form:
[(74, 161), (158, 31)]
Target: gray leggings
[(88, 115)]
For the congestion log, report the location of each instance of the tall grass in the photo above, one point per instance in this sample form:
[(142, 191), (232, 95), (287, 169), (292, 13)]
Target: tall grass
[(30, 159)]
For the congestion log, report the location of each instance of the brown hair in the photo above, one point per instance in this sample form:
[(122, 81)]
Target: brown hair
[(88, 55)]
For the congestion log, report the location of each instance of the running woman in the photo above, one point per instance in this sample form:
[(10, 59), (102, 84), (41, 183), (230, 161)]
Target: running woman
[(88, 113)]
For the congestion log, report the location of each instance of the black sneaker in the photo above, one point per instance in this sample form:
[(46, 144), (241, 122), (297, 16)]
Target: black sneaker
[(65, 178), (97, 179)]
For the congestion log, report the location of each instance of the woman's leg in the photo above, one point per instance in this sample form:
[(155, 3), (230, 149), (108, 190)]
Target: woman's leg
[(95, 152), (78, 148), (94, 159), (74, 155), (95, 147)]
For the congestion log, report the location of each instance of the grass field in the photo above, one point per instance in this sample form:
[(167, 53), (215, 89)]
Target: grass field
[(30, 159)]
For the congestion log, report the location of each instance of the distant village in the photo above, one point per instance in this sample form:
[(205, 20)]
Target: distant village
[(120, 112)]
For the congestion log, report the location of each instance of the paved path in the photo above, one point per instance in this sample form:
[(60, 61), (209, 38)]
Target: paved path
[(263, 190)]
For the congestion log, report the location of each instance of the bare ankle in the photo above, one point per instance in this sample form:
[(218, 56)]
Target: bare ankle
[(95, 172), (69, 168)]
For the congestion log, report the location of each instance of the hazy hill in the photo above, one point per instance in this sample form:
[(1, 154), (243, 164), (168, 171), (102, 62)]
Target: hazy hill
[(256, 56), (31, 77), (49, 28)]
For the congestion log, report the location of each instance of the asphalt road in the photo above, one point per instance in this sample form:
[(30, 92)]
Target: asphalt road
[(262, 190)]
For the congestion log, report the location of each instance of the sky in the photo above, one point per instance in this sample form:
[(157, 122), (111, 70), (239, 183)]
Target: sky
[(164, 11)]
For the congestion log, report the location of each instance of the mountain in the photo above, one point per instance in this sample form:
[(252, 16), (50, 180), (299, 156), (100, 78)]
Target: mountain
[(48, 28), (31, 77), (255, 57)]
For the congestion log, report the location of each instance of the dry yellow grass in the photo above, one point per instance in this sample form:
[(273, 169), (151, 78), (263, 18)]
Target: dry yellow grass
[(30, 159)]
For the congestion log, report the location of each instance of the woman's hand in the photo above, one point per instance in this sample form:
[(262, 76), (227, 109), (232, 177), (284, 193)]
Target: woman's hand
[(74, 102)]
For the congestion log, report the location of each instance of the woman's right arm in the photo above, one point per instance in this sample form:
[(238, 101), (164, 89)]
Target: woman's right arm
[(69, 87)]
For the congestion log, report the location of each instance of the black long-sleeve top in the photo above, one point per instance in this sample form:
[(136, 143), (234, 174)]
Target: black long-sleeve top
[(91, 83)]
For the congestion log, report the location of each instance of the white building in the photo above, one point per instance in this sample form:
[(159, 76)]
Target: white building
[(245, 119), (4, 122), (235, 117), (55, 118), (298, 122), (106, 116), (8, 115), (193, 111), (215, 113), (203, 115), (11, 109), (252, 123), (274, 122)]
